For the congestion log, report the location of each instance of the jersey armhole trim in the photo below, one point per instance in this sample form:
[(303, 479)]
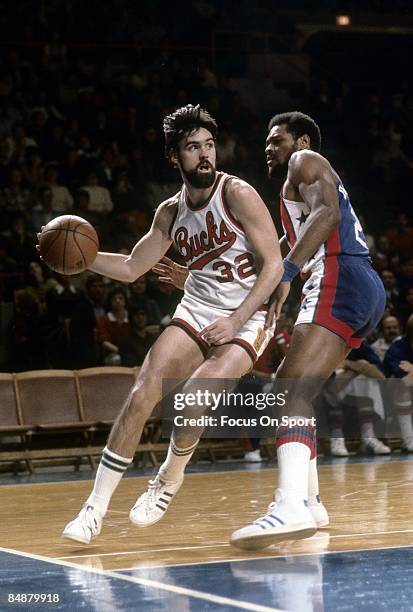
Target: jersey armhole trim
[(227, 210), (173, 220)]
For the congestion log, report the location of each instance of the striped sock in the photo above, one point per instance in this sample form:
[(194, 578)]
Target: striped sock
[(109, 473), (176, 460), (295, 446), (313, 486)]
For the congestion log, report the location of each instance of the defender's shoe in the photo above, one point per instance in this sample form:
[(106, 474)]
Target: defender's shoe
[(86, 526), (289, 519), (151, 506), (317, 509), (319, 512)]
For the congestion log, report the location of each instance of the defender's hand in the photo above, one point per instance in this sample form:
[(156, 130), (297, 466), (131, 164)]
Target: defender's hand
[(171, 273), (276, 302)]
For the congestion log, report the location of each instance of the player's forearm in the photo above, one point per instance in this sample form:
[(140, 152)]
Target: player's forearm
[(318, 228), (116, 266), (267, 280)]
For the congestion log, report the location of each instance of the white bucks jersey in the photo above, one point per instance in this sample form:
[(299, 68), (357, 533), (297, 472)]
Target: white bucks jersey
[(220, 260)]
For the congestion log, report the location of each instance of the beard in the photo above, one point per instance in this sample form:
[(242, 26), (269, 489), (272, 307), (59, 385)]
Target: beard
[(200, 180), (278, 172)]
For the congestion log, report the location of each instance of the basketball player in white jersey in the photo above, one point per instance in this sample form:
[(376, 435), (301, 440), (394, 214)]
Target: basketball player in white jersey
[(226, 235)]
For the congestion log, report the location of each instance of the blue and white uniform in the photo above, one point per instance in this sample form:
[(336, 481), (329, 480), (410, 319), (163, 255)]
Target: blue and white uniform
[(342, 292)]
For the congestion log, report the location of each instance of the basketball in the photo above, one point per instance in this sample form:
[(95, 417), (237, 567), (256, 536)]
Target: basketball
[(68, 244)]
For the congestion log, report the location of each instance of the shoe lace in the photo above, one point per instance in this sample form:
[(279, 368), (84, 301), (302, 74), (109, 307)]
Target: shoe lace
[(270, 508), (153, 489), (90, 518)]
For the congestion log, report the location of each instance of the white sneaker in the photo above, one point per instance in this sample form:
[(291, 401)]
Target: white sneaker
[(338, 447), (407, 445), (288, 520), (86, 526), (319, 512), (317, 509), (253, 456), (151, 506), (374, 446)]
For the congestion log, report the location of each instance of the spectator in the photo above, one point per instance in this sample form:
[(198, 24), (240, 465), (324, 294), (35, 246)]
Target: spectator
[(43, 211), (138, 300), (398, 363), (113, 326), (9, 272), (401, 236), (356, 385), (33, 167), (382, 257), (62, 200), (61, 301), (405, 275), (16, 197), (124, 196), (55, 148), (390, 327), (100, 198), (392, 291), (71, 170), (20, 142), (133, 348), (83, 324), (81, 207), (21, 242), (38, 283)]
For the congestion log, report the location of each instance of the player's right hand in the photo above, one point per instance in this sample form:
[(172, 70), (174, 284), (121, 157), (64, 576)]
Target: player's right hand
[(38, 240), (171, 273), (276, 302)]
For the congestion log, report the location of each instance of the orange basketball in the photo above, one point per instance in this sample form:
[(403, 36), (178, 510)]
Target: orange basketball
[(68, 244)]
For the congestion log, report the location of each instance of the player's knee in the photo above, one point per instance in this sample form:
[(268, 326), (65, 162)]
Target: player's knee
[(145, 394)]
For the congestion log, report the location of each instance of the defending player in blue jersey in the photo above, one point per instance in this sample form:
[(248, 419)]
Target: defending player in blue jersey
[(343, 300)]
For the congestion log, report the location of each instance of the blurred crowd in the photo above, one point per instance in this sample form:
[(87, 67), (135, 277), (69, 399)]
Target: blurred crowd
[(81, 133)]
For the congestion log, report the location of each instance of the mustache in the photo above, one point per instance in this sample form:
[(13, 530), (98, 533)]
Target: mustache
[(204, 163)]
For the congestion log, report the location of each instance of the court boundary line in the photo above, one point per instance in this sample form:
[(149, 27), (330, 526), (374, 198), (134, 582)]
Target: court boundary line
[(242, 605), (287, 556), (227, 545)]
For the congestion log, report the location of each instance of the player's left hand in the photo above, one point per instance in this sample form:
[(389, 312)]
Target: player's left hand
[(220, 331), (276, 302)]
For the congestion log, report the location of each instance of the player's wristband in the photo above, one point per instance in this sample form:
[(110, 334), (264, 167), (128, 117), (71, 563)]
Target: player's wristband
[(290, 270)]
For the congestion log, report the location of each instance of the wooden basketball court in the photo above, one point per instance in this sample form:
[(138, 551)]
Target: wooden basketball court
[(185, 560)]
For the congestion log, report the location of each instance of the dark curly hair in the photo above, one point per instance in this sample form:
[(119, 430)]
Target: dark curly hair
[(299, 124), (183, 121)]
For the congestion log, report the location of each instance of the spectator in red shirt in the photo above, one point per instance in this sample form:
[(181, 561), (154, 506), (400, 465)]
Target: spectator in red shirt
[(401, 236), (113, 326)]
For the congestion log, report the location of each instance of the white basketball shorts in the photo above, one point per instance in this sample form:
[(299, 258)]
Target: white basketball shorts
[(193, 316)]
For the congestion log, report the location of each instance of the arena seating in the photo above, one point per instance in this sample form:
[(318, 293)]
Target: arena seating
[(50, 416)]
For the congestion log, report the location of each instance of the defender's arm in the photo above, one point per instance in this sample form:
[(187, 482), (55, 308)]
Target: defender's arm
[(313, 178)]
